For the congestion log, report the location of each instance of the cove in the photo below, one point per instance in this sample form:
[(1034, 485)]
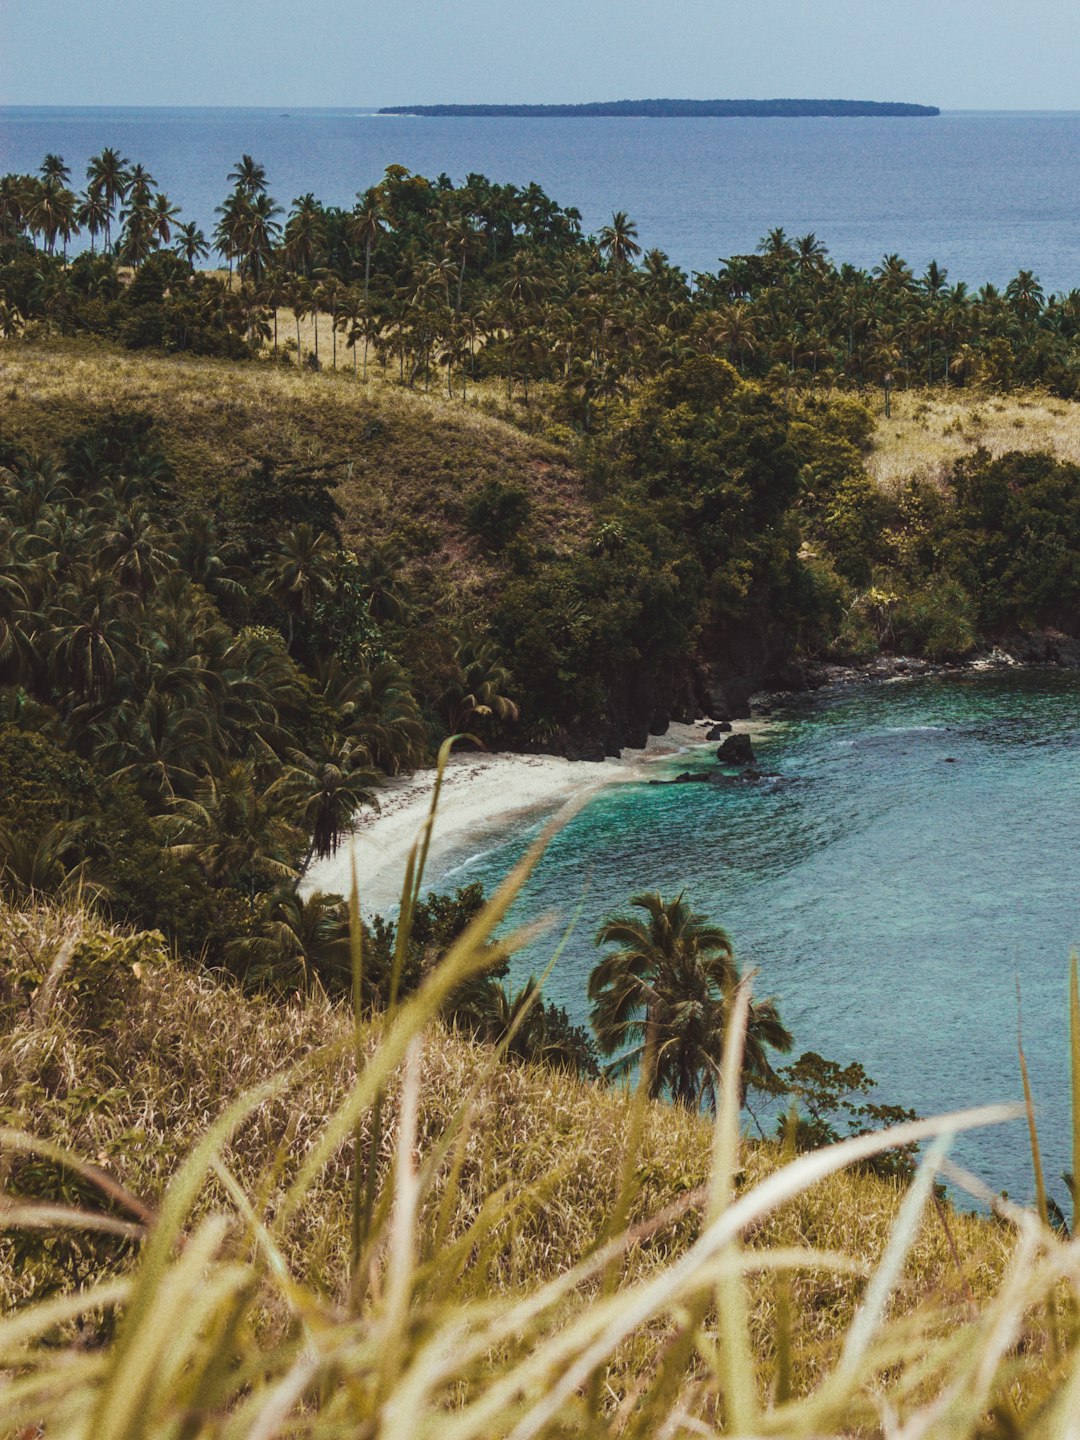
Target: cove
[(910, 859)]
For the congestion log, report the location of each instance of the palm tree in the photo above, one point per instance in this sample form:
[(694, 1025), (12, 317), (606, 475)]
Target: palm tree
[(238, 831), (1025, 295), (618, 241), (50, 862), (139, 235), (305, 235), (107, 175), (635, 988), (248, 175), (301, 301), (368, 223), (163, 214), (300, 569), (374, 706), (190, 244), (330, 297), (230, 228), (54, 172), (664, 992), (331, 786), (259, 232), (93, 215), (302, 942), (53, 214), (162, 746), (476, 690)]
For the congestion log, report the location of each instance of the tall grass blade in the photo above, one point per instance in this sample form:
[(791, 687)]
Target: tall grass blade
[(782, 1384), (736, 1355), (871, 1312), (1041, 1204), (1074, 1069)]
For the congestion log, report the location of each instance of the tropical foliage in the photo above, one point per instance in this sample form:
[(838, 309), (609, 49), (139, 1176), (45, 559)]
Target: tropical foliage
[(480, 279), (662, 999)]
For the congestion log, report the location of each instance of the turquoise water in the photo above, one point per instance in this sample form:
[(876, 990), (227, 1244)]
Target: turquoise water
[(983, 193), (914, 856)]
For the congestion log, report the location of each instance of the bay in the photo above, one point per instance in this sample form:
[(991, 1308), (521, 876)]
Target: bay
[(983, 193), (913, 859)]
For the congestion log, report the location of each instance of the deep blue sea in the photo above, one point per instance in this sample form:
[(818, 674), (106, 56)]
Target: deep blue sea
[(915, 857), (983, 193)]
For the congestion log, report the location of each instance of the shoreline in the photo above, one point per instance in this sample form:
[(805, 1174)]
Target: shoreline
[(483, 792)]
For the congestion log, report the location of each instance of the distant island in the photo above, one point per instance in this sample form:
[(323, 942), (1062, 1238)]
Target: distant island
[(671, 109)]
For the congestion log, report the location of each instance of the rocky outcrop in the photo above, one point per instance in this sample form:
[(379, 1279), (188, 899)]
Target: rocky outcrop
[(736, 750)]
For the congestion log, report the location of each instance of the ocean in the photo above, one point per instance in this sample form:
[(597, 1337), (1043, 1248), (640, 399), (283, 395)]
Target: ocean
[(983, 193), (908, 867)]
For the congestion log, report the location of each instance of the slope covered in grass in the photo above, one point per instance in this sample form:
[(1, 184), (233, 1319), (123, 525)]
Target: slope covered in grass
[(930, 430), (112, 1049), (405, 464)]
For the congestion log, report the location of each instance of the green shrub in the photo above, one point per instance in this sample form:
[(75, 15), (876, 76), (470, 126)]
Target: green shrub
[(497, 514)]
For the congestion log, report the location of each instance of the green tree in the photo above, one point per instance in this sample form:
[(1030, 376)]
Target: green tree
[(661, 998), (619, 242)]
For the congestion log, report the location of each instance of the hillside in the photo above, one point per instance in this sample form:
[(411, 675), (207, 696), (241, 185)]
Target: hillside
[(403, 464), (115, 1052)]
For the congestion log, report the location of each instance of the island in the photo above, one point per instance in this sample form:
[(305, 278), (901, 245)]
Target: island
[(673, 109)]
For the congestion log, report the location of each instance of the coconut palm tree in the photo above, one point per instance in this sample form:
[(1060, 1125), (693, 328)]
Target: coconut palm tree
[(369, 221), (619, 242), (238, 830), (661, 998), (248, 175), (300, 570), (476, 691), (1025, 295), (54, 214), (190, 244), (330, 787), (54, 172), (92, 215), (305, 235), (108, 175), (302, 943), (258, 234), (163, 215)]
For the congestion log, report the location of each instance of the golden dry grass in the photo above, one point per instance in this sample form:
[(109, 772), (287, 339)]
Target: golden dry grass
[(407, 461), (930, 429), (131, 1070)]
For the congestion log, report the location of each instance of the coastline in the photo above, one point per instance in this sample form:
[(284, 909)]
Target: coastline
[(483, 792)]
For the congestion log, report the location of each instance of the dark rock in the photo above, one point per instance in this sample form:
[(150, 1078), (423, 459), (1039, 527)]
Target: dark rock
[(719, 731), (692, 777), (736, 750)]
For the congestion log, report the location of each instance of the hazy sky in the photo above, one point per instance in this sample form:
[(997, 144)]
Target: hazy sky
[(960, 54)]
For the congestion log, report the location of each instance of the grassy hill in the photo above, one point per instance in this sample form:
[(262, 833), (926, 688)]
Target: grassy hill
[(118, 1054), (930, 430), (406, 463)]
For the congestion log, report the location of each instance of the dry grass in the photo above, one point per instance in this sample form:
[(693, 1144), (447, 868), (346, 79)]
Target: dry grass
[(135, 1057), (407, 461), (929, 430)]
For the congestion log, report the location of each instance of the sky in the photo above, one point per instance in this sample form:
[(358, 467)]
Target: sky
[(959, 54)]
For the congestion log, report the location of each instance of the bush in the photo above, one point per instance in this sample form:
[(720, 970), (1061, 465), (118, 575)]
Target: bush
[(497, 514)]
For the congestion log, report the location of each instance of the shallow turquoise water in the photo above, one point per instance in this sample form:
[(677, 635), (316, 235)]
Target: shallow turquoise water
[(889, 899)]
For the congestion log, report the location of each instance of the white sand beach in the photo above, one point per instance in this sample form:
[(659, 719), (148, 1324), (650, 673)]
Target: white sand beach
[(481, 794)]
